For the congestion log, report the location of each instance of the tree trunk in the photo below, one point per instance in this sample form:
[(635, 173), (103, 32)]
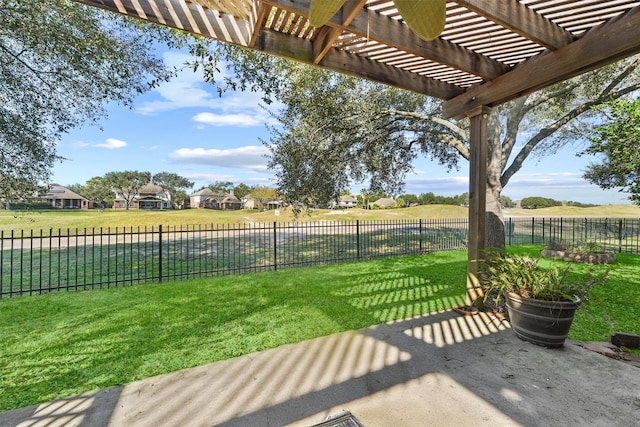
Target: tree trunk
[(494, 228)]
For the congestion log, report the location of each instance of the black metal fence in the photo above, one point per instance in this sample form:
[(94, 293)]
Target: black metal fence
[(39, 262), (612, 234)]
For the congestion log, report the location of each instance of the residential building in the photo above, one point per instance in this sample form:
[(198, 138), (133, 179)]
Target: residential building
[(208, 199), (150, 196), (345, 202), (62, 198), (383, 203)]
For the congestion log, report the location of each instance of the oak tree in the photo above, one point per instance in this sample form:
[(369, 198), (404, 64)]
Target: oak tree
[(618, 144), (335, 130)]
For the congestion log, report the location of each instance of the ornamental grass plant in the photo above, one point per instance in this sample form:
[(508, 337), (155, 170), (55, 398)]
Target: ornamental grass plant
[(523, 275)]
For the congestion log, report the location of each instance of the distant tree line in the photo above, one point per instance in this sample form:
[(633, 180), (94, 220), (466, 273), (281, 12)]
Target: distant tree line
[(544, 202), (102, 189), (406, 200)]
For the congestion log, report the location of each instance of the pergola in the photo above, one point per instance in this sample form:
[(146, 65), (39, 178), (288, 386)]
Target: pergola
[(490, 52)]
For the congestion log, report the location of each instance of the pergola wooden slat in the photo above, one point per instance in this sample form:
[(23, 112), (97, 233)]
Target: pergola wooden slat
[(489, 52)]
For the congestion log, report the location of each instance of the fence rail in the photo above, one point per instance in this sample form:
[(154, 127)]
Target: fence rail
[(77, 259)]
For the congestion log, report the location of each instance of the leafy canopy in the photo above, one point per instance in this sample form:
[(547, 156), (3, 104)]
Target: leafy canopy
[(61, 63), (618, 143), (335, 130)]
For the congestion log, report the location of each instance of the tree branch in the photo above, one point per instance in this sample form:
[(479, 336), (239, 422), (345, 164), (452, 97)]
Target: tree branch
[(33, 70), (516, 165), (455, 143)]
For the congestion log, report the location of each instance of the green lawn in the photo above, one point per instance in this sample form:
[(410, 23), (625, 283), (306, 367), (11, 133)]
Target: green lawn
[(36, 220), (64, 344), (45, 220)]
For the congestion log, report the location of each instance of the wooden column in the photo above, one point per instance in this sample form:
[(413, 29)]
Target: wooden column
[(477, 199)]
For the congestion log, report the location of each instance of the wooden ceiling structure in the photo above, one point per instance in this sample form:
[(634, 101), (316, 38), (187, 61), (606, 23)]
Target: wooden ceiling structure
[(491, 51)]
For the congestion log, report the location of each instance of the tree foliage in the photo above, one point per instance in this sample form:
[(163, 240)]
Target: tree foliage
[(538, 202), (221, 187), (241, 190), (174, 184), (127, 184), (61, 63), (336, 131), (618, 142), (99, 191), (263, 194)]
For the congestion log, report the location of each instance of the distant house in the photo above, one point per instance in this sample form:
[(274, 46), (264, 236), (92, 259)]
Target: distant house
[(150, 196), (207, 199), (274, 204), (383, 203), (251, 203), (62, 198), (345, 202)]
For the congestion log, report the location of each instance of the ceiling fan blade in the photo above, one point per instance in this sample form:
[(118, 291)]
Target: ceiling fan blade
[(426, 17), (321, 11)]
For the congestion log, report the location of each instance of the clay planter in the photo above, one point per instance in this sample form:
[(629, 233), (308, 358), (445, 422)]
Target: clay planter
[(540, 322), (587, 258)]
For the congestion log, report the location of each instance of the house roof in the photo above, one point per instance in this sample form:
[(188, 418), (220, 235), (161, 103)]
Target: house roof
[(489, 51), (150, 188), (385, 202), (207, 193), (60, 192), (204, 192), (348, 198)]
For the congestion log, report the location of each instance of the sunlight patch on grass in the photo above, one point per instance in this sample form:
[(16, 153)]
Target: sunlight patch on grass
[(64, 344)]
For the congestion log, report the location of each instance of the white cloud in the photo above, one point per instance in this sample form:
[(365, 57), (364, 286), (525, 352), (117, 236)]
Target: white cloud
[(210, 178), (189, 90), (248, 157), (238, 119), (111, 144)]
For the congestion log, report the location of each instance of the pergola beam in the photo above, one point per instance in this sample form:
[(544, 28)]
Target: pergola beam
[(522, 20), (324, 38), (393, 33), (187, 16), (299, 49), (603, 45)]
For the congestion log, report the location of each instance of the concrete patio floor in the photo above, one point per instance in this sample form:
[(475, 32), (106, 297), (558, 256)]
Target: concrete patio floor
[(441, 369)]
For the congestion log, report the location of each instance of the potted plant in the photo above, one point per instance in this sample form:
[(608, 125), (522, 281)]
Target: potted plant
[(541, 303)]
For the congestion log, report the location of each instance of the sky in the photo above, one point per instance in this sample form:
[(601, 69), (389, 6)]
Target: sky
[(185, 127)]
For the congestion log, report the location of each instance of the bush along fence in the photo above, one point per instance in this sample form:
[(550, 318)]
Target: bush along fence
[(39, 262)]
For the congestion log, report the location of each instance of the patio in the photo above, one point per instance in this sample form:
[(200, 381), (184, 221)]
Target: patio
[(439, 369)]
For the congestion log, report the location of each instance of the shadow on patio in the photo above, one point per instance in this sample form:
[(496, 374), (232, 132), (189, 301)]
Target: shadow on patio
[(437, 369)]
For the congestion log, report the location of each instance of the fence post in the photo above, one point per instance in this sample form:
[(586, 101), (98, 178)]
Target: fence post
[(275, 249), (358, 238), (620, 235), (586, 225), (533, 229), (160, 253), (420, 234)]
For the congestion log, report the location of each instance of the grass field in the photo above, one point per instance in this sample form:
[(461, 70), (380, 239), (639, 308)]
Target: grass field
[(64, 344), (108, 218)]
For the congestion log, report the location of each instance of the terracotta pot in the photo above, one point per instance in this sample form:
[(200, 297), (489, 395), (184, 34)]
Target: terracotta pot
[(540, 322)]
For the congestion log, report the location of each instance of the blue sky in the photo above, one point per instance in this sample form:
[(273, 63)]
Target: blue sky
[(186, 128)]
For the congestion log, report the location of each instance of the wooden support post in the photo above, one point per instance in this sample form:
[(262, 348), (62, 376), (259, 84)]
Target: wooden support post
[(477, 199)]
